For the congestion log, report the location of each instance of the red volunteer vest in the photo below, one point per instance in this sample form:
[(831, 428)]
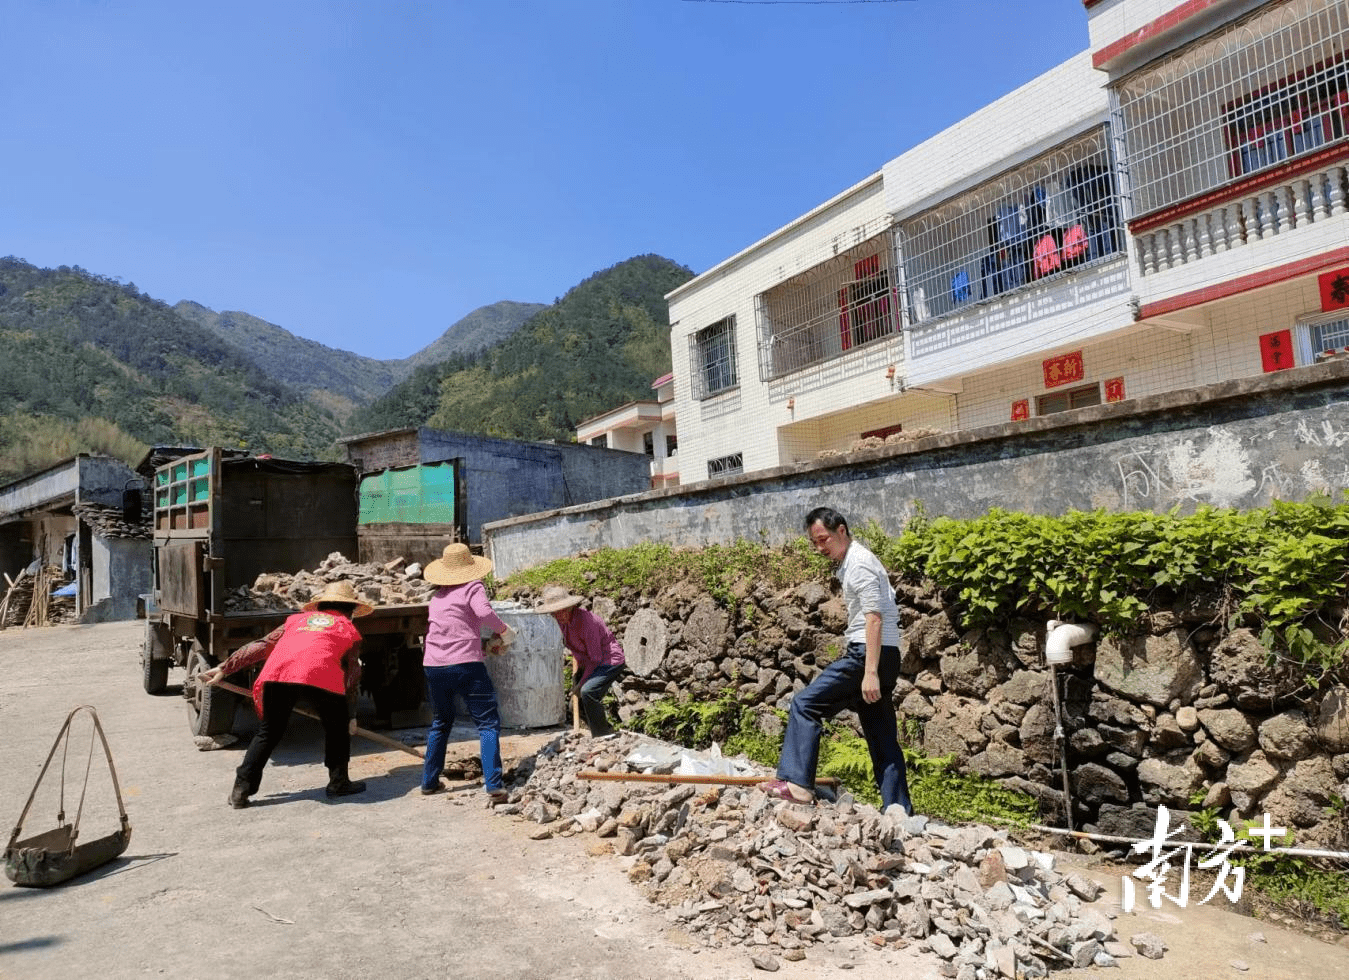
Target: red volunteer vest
[(309, 652)]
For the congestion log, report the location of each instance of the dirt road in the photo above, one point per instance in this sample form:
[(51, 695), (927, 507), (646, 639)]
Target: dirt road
[(386, 884)]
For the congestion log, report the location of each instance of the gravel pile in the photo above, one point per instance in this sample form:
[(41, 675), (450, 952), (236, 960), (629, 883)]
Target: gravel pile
[(736, 867), (393, 583)]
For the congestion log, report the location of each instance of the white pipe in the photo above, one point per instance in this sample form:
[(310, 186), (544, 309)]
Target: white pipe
[(1062, 637)]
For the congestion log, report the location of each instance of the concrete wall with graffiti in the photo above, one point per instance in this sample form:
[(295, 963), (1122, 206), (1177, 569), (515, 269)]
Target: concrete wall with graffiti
[(1237, 444)]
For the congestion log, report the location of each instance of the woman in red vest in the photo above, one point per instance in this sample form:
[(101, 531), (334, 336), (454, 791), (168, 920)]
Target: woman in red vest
[(313, 655)]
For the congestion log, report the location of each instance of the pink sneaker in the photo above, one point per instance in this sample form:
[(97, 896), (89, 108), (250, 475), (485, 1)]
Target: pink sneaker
[(780, 789)]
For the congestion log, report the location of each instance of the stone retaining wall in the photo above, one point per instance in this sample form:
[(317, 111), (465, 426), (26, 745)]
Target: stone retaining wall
[(1182, 709)]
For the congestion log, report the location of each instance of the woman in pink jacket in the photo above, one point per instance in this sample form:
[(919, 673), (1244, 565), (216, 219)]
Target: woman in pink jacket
[(453, 661), (597, 657)]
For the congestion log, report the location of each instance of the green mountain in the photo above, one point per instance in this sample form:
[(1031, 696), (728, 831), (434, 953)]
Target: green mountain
[(92, 365), (338, 381), (335, 380), (485, 327), (599, 346)]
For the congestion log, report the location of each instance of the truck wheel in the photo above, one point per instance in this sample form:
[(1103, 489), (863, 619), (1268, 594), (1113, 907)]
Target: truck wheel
[(155, 670), (210, 711)]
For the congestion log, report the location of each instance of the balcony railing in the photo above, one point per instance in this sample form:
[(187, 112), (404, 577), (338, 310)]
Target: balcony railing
[(1254, 213)]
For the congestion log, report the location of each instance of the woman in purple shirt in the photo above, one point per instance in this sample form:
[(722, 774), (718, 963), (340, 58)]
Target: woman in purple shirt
[(453, 661), (597, 659)]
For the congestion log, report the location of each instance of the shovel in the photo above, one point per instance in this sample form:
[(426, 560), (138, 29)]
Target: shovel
[(392, 743)]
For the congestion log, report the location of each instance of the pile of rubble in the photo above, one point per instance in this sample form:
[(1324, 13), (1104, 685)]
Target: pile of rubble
[(393, 583), (876, 442), (739, 868)]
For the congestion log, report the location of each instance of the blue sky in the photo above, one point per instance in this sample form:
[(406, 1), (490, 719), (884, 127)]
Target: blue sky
[(366, 173)]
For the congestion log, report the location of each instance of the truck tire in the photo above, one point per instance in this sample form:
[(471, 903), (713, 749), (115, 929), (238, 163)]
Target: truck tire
[(210, 711), (155, 669)]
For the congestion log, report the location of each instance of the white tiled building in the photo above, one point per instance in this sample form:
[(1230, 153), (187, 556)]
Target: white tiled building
[(646, 426), (1165, 210)]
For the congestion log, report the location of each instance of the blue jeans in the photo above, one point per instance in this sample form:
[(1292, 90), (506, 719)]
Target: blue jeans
[(839, 686), (474, 684), (592, 694)]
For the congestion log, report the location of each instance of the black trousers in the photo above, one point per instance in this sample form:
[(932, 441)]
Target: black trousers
[(278, 701)]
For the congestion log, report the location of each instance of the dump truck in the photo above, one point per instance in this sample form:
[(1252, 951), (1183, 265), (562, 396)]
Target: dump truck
[(221, 519)]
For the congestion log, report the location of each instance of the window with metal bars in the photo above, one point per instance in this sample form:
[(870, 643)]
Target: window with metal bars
[(837, 306), (1063, 401), (1047, 217), (1289, 117), (712, 359), (1324, 334), (1270, 87), (726, 465)]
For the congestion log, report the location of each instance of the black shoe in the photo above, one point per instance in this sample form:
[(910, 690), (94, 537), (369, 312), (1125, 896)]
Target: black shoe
[(239, 794), (432, 790), (345, 787)]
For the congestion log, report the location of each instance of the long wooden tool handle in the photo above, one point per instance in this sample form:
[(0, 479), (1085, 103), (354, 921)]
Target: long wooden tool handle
[(715, 780), (392, 743)]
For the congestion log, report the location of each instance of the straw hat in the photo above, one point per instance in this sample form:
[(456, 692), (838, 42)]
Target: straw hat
[(455, 566), (340, 591), (555, 598)]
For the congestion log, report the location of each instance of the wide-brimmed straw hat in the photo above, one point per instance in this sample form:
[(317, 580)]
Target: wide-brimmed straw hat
[(341, 591), (555, 599), (456, 565)]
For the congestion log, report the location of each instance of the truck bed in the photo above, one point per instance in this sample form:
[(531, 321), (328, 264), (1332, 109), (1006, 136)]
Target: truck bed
[(383, 619)]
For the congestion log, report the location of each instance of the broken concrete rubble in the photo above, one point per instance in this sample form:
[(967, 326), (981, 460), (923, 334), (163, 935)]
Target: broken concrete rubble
[(392, 583), (737, 868)]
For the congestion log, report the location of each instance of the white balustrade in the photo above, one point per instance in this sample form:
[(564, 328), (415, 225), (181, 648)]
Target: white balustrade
[(1335, 176), (1267, 224), (1220, 228), (1300, 202), (1147, 253), (1285, 211), (1320, 197), (1250, 210), (1177, 250)]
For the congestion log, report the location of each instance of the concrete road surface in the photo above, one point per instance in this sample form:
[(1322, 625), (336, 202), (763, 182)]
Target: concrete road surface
[(389, 884)]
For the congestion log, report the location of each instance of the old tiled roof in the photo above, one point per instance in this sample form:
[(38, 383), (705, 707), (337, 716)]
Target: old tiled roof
[(107, 521)]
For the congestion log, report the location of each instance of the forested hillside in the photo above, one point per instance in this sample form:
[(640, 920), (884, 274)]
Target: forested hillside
[(335, 380), (92, 365), (339, 381), (485, 327), (599, 346)]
